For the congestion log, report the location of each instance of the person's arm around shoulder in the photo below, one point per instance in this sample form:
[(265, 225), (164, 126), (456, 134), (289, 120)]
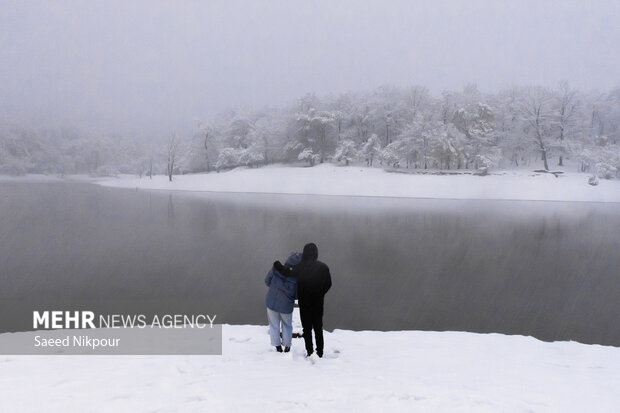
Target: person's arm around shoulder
[(282, 269)]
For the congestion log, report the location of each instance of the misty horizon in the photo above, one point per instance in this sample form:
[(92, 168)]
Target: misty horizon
[(147, 66)]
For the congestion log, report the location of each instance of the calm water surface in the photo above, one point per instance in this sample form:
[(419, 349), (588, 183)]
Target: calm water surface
[(546, 269)]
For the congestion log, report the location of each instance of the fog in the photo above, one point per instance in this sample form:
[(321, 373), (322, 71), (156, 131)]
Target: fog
[(145, 65)]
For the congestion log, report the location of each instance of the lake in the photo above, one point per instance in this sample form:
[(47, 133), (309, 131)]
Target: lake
[(545, 269)]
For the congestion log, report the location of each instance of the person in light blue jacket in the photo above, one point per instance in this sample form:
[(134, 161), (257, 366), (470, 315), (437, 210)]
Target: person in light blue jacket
[(280, 301)]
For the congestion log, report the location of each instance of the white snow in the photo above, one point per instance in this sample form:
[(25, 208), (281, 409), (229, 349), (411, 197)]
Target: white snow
[(328, 179), (361, 371)]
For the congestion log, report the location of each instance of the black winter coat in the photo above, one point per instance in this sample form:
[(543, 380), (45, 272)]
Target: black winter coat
[(313, 277)]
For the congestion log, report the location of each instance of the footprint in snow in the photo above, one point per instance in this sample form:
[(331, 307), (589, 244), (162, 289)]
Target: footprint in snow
[(332, 354), (239, 340)]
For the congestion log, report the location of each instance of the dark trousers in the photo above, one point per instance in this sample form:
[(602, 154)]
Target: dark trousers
[(312, 319)]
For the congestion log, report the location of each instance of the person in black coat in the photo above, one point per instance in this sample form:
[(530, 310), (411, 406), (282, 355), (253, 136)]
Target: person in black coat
[(313, 281)]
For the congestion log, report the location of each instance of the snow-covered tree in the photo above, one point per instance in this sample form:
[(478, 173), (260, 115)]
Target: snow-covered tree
[(252, 156), (173, 142), (346, 152), (228, 158), (566, 108), (371, 149), (317, 125), (457, 130), (536, 111), (309, 156), (449, 147), (391, 155)]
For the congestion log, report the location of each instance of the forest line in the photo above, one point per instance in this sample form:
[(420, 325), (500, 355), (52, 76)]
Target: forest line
[(542, 128)]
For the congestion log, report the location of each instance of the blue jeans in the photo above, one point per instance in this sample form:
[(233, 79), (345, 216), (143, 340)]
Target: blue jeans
[(275, 320)]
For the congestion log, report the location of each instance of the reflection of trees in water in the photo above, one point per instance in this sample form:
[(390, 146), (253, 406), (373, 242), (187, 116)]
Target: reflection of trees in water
[(170, 211), (462, 266)]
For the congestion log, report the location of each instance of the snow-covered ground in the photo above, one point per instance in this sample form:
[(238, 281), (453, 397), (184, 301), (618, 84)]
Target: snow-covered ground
[(405, 371), (328, 179), (361, 371)]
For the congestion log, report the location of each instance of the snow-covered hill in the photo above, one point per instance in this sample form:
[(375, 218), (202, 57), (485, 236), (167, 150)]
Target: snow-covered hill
[(328, 179), (361, 371)]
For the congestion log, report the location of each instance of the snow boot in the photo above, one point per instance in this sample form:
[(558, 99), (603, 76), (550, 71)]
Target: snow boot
[(279, 349), (287, 349)]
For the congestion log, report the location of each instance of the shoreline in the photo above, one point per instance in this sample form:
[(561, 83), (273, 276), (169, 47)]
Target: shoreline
[(330, 180), (297, 326), (368, 182)]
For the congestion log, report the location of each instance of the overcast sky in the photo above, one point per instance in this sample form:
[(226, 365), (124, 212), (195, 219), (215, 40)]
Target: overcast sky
[(160, 63)]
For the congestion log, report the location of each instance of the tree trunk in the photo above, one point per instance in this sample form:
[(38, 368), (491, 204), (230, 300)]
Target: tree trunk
[(207, 151), (543, 150), (323, 146), (544, 159), (561, 140)]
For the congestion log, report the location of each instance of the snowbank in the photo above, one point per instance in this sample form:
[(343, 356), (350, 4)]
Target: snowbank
[(361, 371), (329, 179)]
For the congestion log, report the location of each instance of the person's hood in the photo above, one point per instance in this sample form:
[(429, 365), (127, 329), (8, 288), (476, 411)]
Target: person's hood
[(311, 252), (293, 259)]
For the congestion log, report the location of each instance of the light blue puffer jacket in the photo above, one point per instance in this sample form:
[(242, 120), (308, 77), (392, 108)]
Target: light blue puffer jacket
[(282, 290)]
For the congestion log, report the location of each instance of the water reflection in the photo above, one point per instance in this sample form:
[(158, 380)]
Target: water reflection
[(544, 269)]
